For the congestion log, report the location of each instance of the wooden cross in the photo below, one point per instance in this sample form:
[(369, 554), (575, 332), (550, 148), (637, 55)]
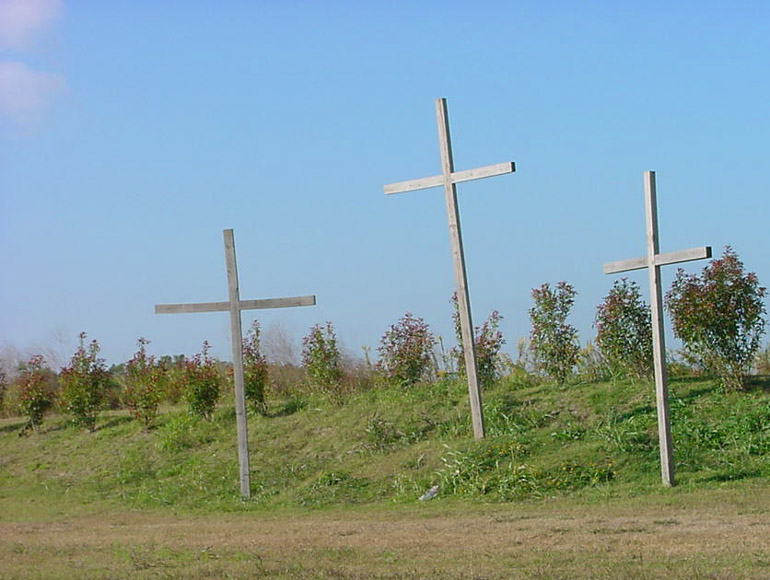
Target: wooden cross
[(448, 179), (653, 261), (234, 305)]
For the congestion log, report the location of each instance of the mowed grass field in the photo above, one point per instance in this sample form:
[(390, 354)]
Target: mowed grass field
[(719, 534), (565, 486)]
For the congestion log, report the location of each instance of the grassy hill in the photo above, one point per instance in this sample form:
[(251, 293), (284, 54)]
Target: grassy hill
[(391, 445)]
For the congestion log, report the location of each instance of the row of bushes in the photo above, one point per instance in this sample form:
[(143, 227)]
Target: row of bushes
[(719, 316)]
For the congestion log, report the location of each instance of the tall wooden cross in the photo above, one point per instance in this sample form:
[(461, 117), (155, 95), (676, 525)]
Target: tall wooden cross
[(234, 305), (653, 261), (449, 179)]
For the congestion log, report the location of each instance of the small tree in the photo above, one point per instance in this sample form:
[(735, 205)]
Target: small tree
[(321, 359), (84, 383), (36, 390), (406, 351), (553, 341), (202, 384), (255, 373), (719, 316), (144, 380), (488, 341), (624, 331)]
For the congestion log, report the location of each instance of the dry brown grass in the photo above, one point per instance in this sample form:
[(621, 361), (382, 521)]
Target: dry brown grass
[(725, 539)]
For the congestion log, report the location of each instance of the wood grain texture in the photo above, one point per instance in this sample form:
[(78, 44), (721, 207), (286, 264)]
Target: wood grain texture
[(449, 179), (458, 261), (456, 177), (653, 262), (235, 305), (658, 333), (243, 305), (236, 336), (703, 252)]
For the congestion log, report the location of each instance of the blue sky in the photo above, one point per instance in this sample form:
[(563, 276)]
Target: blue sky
[(133, 133)]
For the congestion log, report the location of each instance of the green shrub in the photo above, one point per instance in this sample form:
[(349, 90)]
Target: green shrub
[(488, 341), (406, 351), (624, 331), (553, 341), (719, 316), (83, 384), (731, 438), (202, 384), (255, 370), (144, 385), (628, 434), (321, 360), (334, 487), (499, 469), (37, 388), (381, 434)]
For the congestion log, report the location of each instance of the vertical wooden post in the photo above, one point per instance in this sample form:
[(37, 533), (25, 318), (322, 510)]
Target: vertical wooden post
[(448, 179), (658, 335), (458, 259), (653, 262), (234, 307), (237, 338)]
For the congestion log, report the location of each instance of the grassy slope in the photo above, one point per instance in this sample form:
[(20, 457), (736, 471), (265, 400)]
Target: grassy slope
[(549, 449), (393, 445)]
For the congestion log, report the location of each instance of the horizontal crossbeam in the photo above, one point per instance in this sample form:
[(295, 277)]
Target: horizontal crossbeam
[(457, 177), (243, 305), (660, 260)]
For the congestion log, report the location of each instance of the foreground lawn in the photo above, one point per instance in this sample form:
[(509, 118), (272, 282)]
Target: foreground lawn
[(721, 533)]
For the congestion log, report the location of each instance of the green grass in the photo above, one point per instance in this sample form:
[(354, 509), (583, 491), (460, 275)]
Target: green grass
[(576, 464), (390, 445)]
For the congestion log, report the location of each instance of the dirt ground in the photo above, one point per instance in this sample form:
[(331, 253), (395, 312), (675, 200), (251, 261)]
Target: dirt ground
[(679, 535), (707, 542)]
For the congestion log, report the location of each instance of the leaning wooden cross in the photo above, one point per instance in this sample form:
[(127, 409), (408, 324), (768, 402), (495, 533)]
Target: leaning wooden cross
[(448, 179), (234, 306), (653, 261)]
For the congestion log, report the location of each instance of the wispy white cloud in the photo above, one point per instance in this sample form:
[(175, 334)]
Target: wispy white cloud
[(21, 21), (24, 92)]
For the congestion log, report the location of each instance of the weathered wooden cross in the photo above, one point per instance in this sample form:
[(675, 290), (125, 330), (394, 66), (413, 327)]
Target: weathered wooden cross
[(448, 179), (653, 261), (234, 305)]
